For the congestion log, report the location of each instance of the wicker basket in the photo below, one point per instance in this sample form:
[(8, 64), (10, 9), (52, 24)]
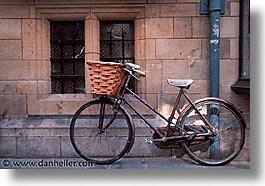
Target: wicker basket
[(106, 77)]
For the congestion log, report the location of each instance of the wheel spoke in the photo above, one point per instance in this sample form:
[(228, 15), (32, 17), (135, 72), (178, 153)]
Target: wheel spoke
[(230, 138), (89, 138)]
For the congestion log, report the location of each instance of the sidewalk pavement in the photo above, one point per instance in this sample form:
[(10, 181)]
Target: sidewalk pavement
[(124, 163)]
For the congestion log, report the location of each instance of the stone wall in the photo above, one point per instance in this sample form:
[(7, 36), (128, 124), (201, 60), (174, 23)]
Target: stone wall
[(171, 41)]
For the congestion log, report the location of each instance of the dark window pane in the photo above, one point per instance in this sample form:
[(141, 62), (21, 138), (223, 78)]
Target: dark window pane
[(67, 63), (117, 42)]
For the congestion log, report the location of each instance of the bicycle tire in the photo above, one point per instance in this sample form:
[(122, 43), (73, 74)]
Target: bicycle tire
[(91, 142), (230, 138)]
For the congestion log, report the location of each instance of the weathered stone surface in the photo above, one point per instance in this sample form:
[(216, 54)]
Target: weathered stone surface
[(178, 10), (159, 28), (234, 9), (27, 87), (14, 11), (182, 28), (10, 29), (152, 10), (175, 69), (153, 76), (225, 48), (12, 105), (234, 48), (150, 50), (37, 132), (229, 27), (10, 49), (14, 70), (9, 2), (142, 149), (67, 149), (28, 39), (178, 48), (7, 88), (38, 147), (7, 147), (201, 27)]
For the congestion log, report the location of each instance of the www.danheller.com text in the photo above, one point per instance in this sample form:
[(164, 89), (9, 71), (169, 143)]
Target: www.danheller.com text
[(45, 163)]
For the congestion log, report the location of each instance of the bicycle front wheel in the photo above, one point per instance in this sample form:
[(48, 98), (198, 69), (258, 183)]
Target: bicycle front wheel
[(100, 133), (230, 132)]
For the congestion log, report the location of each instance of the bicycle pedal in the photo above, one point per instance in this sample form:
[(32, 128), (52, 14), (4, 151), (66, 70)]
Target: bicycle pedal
[(149, 141)]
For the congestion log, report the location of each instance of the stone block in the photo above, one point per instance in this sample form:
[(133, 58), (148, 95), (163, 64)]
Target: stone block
[(182, 28), (44, 87), (63, 2), (67, 149), (224, 48), (31, 132), (178, 48), (234, 48), (178, 10), (14, 11), (200, 87), (43, 70), (56, 132), (10, 49), (139, 49), (14, 70), (142, 149), (13, 105), (8, 88), (234, 9), (10, 29), (161, 1), (229, 74), (139, 29), (38, 147), (9, 2), (27, 87), (28, 39), (188, 1), (153, 77), (201, 27), (152, 10), (229, 27), (159, 28), (7, 132), (150, 48), (199, 70), (205, 48), (175, 69), (7, 147)]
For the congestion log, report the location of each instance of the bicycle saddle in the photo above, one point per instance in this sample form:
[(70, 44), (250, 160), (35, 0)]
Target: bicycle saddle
[(180, 83)]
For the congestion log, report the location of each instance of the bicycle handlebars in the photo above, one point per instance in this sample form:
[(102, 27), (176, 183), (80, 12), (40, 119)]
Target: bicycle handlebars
[(135, 68)]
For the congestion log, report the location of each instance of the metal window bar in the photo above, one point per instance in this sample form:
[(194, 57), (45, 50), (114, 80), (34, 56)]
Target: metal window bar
[(67, 66)]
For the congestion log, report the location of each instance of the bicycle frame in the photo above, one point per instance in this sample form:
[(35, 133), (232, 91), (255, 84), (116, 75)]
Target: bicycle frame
[(169, 120)]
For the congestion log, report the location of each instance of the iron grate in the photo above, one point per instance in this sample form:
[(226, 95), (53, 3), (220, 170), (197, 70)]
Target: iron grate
[(67, 66)]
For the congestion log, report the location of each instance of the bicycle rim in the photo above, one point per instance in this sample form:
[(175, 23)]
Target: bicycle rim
[(226, 145), (89, 138)]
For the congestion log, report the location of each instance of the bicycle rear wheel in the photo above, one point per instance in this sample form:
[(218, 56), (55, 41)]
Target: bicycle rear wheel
[(90, 137), (230, 128)]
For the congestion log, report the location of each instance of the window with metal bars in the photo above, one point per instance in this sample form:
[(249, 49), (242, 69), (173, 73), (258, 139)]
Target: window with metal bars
[(67, 57), (117, 43)]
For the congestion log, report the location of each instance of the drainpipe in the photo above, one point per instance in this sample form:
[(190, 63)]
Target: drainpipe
[(215, 8), (244, 39), (215, 11)]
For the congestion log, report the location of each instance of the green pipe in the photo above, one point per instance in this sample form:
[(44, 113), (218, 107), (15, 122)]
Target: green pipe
[(215, 11)]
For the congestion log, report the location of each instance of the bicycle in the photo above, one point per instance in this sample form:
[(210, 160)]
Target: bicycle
[(210, 130)]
